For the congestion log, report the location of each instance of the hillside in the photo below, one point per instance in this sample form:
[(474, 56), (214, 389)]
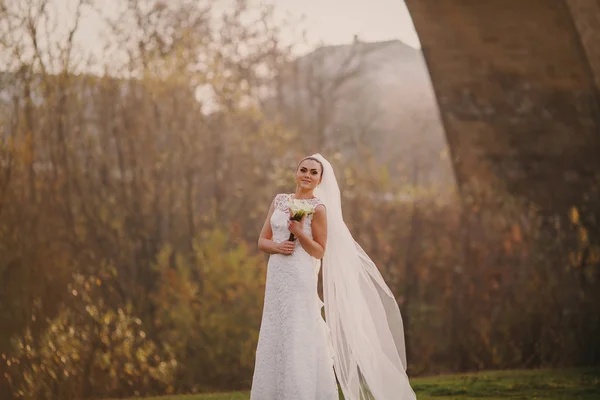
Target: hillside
[(377, 95)]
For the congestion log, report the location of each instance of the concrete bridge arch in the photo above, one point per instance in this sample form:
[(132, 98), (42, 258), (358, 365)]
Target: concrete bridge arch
[(517, 85)]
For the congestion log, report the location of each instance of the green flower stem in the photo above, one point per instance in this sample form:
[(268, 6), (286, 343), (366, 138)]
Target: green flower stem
[(295, 217)]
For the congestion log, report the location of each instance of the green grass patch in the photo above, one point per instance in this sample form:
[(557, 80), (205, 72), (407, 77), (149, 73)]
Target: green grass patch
[(571, 384)]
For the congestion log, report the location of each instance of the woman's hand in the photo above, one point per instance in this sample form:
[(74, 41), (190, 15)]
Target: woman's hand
[(297, 227), (286, 248)]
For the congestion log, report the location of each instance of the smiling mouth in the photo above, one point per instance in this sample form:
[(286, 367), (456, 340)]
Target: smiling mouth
[(305, 181)]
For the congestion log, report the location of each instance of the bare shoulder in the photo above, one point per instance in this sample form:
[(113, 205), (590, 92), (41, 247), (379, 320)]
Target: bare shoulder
[(320, 211)]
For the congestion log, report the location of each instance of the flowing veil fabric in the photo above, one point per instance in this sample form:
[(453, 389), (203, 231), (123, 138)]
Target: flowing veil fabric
[(362, 316)]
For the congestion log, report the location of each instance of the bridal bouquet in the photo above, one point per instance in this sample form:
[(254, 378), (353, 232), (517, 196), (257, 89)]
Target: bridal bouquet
[(299, 209)]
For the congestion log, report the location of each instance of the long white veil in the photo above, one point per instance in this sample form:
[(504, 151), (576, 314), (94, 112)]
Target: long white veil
[(364, 321)]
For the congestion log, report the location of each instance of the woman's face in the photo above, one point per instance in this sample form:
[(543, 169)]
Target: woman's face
[(308, 174)]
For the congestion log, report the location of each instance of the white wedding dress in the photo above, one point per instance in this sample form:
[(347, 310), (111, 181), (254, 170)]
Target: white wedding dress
[(293, 360)]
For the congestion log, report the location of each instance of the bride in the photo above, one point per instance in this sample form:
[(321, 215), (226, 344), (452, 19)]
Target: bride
[(363, 338)]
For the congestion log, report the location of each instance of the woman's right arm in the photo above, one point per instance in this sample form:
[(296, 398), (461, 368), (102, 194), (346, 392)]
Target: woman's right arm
[(265, 241)]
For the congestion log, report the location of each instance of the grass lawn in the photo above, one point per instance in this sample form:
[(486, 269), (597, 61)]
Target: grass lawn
[(570, 384)]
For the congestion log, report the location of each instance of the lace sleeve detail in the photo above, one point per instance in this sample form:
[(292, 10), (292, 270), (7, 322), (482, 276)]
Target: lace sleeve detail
[(281, 202), (318, 202)]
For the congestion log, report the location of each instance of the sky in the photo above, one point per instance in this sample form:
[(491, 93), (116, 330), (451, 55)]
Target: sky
[(324, 21), (328, 22), (337, 21)]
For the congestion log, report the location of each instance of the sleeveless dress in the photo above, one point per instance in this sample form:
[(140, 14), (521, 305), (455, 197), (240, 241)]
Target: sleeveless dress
[(293, 359)]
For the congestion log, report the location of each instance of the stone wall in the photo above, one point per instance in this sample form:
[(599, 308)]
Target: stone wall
[(515, 85)]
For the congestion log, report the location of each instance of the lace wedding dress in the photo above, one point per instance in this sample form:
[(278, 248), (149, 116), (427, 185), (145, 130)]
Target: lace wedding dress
[(293, 360)]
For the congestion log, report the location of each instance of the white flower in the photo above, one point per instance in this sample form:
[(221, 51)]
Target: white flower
[(300, 208)]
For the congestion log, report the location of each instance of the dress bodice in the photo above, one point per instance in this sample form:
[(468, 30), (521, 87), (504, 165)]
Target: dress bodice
[(281, 216)]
